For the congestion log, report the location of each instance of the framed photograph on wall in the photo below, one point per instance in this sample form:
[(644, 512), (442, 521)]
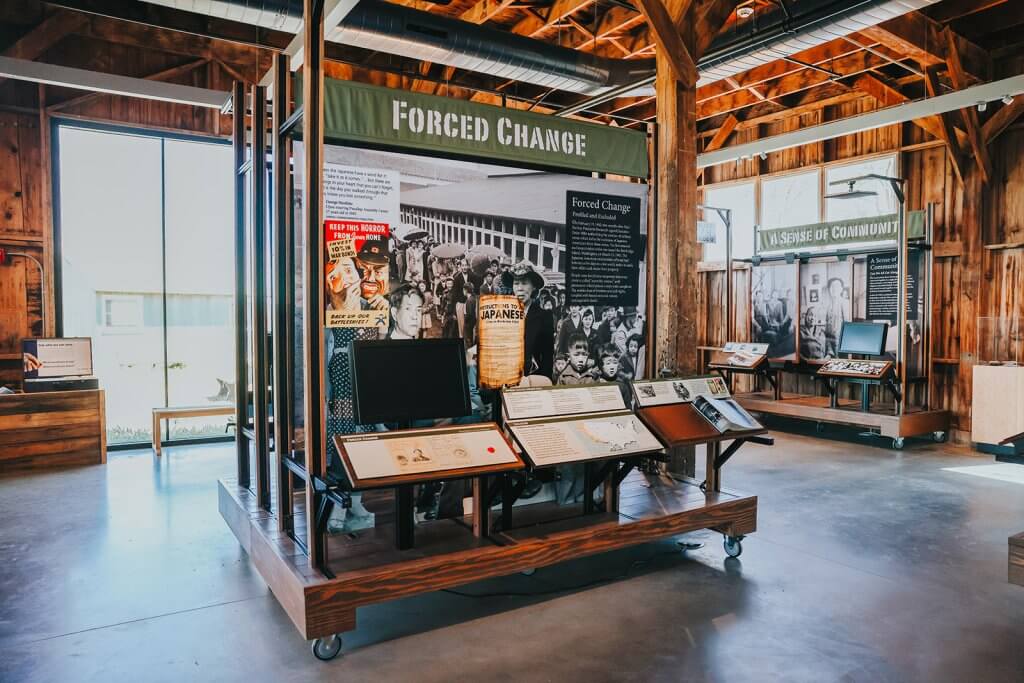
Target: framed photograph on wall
[(773, 308)]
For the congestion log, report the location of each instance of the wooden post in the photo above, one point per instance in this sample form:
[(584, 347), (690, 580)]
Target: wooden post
[(312, 271)]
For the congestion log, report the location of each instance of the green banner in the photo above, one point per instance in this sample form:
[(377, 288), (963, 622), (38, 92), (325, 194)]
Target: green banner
[(835, 233), (355, 112)]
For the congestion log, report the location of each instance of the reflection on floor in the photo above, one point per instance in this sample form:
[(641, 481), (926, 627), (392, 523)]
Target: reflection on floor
[(869, 565)]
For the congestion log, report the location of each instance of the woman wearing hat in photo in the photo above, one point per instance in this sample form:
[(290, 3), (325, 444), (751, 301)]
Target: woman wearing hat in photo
[(539, 347)]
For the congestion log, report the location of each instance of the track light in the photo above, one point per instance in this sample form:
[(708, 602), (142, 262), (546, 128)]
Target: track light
[(982, 105), (764, 156), (1007, 99)]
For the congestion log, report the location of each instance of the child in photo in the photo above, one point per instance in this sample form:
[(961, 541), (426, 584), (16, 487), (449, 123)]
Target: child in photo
[(580, 368)]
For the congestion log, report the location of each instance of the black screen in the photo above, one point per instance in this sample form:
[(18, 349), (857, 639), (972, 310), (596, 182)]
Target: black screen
[(409, 379), (866, 339)]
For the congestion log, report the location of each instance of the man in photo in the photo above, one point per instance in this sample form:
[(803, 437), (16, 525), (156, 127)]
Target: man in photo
[(834, 315), (372, 261), (459, 295), (681, 391), (406, 312), (539, 346)]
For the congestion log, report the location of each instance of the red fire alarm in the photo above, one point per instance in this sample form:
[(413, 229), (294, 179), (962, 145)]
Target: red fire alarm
[(3, 256)]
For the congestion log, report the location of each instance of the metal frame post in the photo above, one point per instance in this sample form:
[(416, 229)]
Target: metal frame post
[(258, 329), (239, 109), (312, 272)]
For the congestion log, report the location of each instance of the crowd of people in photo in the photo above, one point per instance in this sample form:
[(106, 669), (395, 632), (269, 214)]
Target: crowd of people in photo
[(441, 285)]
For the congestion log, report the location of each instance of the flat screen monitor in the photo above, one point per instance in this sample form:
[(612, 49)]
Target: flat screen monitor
[(863, 338), (57, 357), (399, 380)]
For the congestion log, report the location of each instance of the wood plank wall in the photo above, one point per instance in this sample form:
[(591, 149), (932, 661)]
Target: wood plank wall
[(969, 282)]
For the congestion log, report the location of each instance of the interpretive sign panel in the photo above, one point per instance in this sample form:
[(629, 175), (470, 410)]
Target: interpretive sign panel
[(676, 390), (555, 442), (529, 402), (602, 247), (500, 340), (386, 458), (883, 289)]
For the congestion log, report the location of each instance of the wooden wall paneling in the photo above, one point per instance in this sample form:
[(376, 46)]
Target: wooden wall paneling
[(13, 306), (12, 217)]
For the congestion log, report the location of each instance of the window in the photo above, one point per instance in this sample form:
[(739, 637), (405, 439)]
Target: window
[(146, 269), (884, 202), (793, 199), (740, 199), (121, 314)]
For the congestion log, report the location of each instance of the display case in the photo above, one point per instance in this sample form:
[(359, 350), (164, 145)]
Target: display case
[(999, 341)]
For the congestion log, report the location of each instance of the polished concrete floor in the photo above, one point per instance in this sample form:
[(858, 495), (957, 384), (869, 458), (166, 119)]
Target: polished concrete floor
[(869, 565)]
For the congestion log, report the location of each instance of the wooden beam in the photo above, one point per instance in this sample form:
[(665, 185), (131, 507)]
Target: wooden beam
[(533, 26), (948, 10), (709, 17), (1002, 119), (919, 37), (670, 43), (946, 131), (888, 95), (47, 33), (720, 138), (44, 35), (969, 114), (164, 75)]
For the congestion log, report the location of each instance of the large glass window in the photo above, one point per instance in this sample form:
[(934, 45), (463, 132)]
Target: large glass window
[(740, 198), (880, 204), (793, 199), (146, 270)]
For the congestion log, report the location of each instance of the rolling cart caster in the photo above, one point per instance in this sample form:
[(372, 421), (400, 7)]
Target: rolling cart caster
[(733, 545), (819, 427), (326, 649), (897, 443), (939, 437)]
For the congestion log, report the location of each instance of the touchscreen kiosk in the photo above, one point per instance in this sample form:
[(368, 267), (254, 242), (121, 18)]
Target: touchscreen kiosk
[(863, 338), (400, 380)]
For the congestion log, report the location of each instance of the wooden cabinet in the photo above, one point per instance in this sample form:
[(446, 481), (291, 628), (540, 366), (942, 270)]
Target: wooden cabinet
[(998, 404), (53, 429)]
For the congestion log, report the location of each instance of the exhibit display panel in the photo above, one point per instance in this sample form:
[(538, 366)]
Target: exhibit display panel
[(427, 242), (420, 455)]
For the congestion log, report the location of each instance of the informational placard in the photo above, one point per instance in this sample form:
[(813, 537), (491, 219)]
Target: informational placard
[(554, 442), (750, 347), (501, 333), (361, 194), (602, 248), (882, 300), (425, 451), (361, 208), (71, 357), (530, 402), (662, 392)]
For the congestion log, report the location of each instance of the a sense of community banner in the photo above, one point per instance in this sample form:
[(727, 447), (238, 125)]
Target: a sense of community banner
[(839, 233)]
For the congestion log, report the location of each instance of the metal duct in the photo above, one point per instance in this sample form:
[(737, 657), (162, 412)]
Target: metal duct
[(394, 29)]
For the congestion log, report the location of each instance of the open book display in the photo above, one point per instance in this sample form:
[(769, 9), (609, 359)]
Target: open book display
[(858, 369), (409, 456), (692, 410), (743, 355), (579, 423)]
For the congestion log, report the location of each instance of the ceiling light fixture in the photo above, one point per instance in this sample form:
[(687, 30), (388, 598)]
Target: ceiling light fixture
[(982, 105), (1007, 99)]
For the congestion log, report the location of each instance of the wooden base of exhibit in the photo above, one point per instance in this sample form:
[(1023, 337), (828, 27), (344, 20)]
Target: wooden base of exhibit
[(368, 569), (1016, 563), (817, 409)]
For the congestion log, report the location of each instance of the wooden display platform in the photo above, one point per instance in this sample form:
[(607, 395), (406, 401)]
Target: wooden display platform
[(368, 569), (816, 408), (1016, 560)]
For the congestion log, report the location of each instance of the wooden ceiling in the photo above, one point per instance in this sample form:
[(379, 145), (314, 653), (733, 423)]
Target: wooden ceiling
[(946, 46)]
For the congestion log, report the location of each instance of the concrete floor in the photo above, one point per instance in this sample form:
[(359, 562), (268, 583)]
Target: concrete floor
[(869, 565)]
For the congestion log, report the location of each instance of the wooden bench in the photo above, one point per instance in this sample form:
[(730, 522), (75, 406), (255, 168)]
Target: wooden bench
[(186, 411), (1016, 569)]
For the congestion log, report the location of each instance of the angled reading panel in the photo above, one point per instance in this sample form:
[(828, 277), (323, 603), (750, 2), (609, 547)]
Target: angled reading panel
[(526, 403)]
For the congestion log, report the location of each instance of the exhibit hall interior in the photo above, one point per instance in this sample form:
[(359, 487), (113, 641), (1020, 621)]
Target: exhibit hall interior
[(415, 340)]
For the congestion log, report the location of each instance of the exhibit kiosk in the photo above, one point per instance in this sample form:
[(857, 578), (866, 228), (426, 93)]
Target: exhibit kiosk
[(500, 236), (859, 356)]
